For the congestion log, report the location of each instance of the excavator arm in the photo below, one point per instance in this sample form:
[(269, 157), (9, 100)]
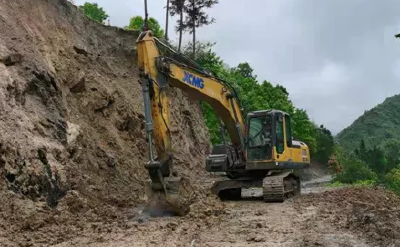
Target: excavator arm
[(157, 73)]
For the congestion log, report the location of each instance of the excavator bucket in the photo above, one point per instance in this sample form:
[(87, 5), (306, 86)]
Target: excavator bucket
[(175, 200)]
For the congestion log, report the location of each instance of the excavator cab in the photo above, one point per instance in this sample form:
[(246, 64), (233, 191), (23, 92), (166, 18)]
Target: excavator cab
[(260, 137), (266, 134), (270, 145)]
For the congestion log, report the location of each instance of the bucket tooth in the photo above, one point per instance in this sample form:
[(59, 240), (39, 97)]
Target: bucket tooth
[(174, 200)]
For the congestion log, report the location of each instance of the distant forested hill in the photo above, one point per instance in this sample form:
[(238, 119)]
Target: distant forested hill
[(375, 127)]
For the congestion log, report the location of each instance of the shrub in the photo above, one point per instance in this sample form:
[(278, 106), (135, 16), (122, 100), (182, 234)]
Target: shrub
[(392, 180), (365, 183), (354, 170), (334, 184)]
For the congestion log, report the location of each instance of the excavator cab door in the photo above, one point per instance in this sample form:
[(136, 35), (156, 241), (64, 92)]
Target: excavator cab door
[(260, 137), (283, 140), (280, 136)]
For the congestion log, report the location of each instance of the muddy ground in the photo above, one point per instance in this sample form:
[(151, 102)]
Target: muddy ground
[(320, 217)]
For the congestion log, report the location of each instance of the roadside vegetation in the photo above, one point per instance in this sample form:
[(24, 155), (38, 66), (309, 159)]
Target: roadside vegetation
[(375, 166), (373, 147)]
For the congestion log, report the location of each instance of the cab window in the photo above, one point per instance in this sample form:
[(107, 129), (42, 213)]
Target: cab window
[(288, 129), (259, 140), (254, 132), (279, 134)]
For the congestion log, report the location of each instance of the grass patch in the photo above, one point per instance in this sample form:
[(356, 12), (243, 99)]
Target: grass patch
[(358, 183), (335, 184)]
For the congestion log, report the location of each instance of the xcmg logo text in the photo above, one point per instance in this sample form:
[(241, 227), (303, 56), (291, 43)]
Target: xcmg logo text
[(193, 80)]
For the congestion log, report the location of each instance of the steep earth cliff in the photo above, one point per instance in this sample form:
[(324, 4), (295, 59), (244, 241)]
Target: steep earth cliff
[(72, 143)]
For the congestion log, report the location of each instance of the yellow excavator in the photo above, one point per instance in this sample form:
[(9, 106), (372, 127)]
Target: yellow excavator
[(260, 153)]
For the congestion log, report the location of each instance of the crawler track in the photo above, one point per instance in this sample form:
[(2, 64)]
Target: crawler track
[(278, 187)]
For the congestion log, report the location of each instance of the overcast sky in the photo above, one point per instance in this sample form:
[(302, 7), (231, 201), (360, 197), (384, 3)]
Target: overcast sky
[(337, 58)]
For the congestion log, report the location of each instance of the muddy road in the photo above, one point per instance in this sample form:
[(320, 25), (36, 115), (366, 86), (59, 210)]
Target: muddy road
[(245, 224), (314, 219)]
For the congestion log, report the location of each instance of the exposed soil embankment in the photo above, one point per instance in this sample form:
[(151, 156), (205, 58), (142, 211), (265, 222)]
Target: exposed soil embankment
[(72, 143)]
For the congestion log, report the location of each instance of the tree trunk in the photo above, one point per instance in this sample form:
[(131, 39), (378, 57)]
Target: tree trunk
[(146, 17), (194, 40), (166, 21), (180, 30), (194, 30)]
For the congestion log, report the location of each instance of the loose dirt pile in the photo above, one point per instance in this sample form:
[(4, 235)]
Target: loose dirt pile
[(72, 143), (372, 213)]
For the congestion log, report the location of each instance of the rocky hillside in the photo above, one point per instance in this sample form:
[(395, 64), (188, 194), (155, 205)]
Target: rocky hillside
[(375, 126), (71, 124)]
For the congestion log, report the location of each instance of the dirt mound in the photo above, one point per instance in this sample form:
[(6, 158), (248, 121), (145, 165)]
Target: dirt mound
[(373, 213), (72, 141)]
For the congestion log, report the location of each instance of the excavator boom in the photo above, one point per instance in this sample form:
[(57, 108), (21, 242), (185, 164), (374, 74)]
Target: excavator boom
[(157, 73), (258, 146)]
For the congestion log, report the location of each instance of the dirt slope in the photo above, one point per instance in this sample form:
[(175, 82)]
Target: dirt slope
[(72, 143)]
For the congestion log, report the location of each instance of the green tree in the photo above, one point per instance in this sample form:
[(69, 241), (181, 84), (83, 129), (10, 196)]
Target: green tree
[(392, 180), (167, 19), (211, 62), (245, 70), (362, 150), (93, 11), (325, 144), (374, 158), (212, 121), (196, 17), (391, 149), (177, 8), (206, 58), (383, 160), (304, 129), (137, 22), (354, 170)]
